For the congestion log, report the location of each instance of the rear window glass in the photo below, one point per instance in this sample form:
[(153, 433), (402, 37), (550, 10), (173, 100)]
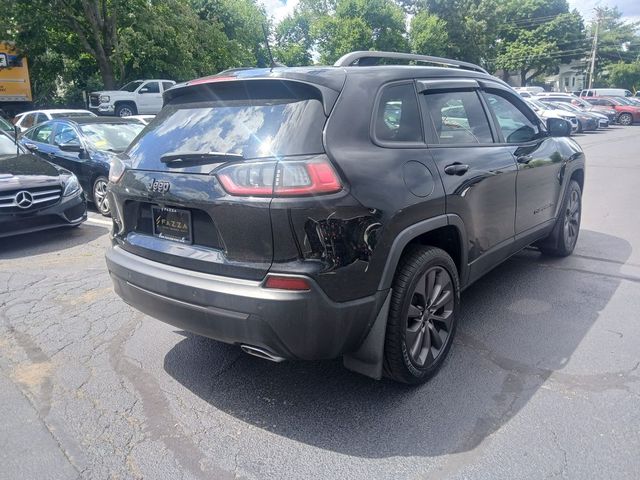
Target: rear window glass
[(253, 128)]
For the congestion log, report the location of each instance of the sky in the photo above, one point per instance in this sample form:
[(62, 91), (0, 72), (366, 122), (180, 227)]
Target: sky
[(279, 9), (629, 8)]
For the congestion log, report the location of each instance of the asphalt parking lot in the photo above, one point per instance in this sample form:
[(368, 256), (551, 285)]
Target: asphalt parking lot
[(543, 380)]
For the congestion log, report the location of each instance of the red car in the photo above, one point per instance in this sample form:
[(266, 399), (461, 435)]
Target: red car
[(627, 114)]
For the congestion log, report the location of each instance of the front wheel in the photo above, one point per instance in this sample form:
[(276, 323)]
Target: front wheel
[(125, 110), (625, 119), (422, 316), (564, 236), (100, 198)]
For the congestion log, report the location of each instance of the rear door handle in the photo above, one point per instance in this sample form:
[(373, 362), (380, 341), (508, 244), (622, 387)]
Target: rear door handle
[(456, 169), (524, 159)]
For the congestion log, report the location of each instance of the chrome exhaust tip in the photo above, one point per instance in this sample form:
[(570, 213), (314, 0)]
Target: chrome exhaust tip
[(261, 353)]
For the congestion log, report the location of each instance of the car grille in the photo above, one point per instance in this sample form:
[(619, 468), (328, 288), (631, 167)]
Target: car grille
[(29, 199), (94, 100)]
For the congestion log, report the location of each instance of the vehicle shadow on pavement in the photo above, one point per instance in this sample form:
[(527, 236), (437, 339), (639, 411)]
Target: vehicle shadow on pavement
[(48, 241), (518, 329)]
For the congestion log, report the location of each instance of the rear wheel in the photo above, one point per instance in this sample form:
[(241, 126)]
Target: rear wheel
[(625, 119), (422, 316), (564, 236), (100, 198)]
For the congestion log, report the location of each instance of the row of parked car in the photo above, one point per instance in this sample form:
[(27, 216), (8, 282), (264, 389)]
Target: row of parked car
[(585, 113), (58, 158)]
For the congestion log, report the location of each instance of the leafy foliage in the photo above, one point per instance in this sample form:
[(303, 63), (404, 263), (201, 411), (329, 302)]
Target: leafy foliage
[(625, 75), (428, 34)]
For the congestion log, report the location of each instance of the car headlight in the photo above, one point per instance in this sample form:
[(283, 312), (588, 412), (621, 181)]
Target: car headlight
[(104, 98), (71, 186), (116, 170)]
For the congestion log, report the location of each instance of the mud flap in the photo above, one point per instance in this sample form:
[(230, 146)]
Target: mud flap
[(367, 360)]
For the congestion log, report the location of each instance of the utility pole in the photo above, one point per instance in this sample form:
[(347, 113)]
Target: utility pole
[(594, 49)]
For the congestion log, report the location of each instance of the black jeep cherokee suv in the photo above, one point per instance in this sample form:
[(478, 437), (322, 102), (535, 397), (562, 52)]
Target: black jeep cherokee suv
[(310, 213)]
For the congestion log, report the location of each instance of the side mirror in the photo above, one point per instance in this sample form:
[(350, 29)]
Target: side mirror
[(558, 127), (71, 147), (143, 90)]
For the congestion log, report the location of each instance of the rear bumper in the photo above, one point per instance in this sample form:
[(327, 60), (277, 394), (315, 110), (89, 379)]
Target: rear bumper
[(302, 325), (69, 212)]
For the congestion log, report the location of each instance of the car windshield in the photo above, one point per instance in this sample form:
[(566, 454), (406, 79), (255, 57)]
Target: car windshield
[(537, 104), (7, 146), (5, 126), (570, 108), (131, 86), (114, 137), (79, 113), (616, 101)]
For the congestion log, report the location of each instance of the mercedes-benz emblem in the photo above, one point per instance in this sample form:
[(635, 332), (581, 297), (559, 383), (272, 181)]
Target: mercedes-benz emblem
[(23, 199)]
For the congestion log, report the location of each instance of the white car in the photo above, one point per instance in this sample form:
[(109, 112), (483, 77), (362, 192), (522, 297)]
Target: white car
[(138, 97), (26, 120), (545, 112)]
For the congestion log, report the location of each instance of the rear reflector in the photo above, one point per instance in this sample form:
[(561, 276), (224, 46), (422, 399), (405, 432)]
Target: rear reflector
[(287, 283)]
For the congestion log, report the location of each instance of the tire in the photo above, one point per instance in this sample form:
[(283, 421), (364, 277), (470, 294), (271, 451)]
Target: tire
[(419, 337), (125, 110), (625, 119), (563, 238), (100, 198)]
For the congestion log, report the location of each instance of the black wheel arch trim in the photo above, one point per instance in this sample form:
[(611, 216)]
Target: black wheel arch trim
[(410, 233)]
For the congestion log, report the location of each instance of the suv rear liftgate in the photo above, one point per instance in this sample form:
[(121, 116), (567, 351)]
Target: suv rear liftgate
[(227, 165)]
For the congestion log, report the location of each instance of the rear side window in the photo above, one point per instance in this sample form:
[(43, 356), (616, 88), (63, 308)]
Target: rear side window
[(255, 121), (398, 118), (166, 85), (28, 120), (458, 117)]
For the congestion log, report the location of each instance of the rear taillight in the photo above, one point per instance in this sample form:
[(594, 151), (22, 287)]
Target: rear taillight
[(286, 178)]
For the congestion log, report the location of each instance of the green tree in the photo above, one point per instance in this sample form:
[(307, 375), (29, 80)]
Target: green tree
[(538, 36), (359, 25), (428, 34), (242, 22), (625, 75), (293, 40)]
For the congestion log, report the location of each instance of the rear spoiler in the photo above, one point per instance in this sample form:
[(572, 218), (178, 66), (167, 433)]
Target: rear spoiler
[(327, 88)]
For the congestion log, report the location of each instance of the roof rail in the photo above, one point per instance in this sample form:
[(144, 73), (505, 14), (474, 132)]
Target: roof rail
[(351, 58)]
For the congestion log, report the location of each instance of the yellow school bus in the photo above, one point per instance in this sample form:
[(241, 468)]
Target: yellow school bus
[(15, 87)]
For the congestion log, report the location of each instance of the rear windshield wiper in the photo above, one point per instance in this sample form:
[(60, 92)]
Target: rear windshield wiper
[(197, 158)]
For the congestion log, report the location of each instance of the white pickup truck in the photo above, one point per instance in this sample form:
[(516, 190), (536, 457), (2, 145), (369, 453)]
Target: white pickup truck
[(137, 97)]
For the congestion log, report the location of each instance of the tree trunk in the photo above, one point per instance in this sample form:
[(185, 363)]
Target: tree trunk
[(523, 78), (106, 71)]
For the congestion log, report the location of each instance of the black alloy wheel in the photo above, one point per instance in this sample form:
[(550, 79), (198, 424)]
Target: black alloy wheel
[(572, 219), (425, 298), (563, 238), (430, 316)]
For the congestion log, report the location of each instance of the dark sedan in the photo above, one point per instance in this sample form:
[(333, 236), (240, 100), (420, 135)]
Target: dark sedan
[(35, 194), (586, 121), (86, 146)]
